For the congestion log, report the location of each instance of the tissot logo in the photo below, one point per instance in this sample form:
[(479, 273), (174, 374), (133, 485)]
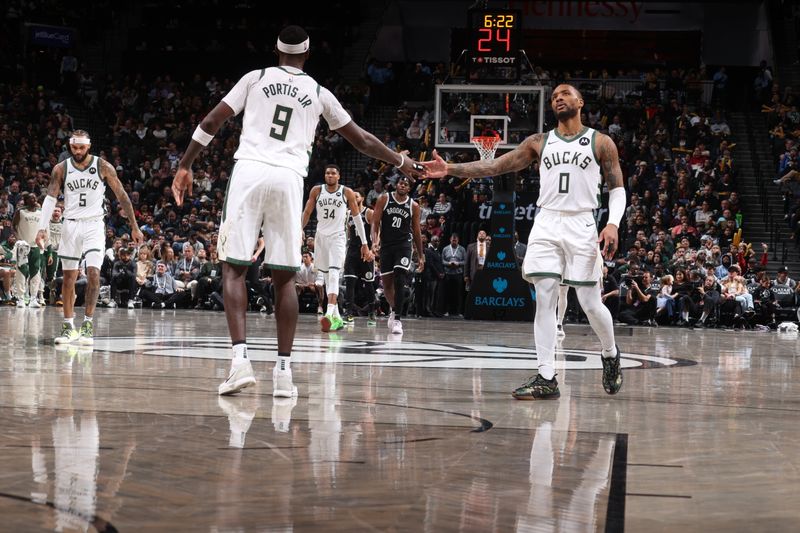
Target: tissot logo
[(373, 353)]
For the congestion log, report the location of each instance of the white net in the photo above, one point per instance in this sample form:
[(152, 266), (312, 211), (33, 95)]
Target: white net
[(486, 145)]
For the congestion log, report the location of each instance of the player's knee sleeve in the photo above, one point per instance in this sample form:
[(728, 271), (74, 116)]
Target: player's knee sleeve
[(332, 281)]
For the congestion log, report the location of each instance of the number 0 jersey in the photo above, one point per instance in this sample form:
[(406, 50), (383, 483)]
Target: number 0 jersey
[(570, 174), (282, 106), (84, 190), (331, 211)]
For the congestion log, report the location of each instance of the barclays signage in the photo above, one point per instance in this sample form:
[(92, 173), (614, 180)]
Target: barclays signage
[(498, 291)]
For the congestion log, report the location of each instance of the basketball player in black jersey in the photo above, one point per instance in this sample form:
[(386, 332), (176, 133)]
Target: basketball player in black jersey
[(358, 272), (395, 224)]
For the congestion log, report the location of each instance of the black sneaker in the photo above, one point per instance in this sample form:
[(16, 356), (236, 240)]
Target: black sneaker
[(612, 373), (538, 388)]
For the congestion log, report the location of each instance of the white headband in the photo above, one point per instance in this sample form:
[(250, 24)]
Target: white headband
[(299, 48), (80, 140)]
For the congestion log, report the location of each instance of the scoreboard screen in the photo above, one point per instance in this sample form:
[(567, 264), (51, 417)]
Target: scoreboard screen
[(494, 44)]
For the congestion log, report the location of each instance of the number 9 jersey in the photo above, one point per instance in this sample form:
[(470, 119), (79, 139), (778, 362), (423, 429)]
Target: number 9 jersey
[(282, 106), (84, 190)]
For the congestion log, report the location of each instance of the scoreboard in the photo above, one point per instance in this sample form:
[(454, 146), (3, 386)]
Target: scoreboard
[(494, 44)]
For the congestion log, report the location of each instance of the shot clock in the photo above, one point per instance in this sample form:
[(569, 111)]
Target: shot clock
[(494, 42)]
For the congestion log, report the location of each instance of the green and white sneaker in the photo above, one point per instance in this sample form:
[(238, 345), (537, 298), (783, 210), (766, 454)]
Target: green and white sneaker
[(538, 388), (87, 334), (336, 323), (68, 334), (371, 320)]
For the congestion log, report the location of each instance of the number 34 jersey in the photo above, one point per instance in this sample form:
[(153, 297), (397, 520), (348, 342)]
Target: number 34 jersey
[(282, 106), (331, 211), (570, 174), (84, 190)]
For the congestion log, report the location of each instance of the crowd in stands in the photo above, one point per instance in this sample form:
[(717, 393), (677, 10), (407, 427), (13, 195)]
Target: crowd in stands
[(683, 262)]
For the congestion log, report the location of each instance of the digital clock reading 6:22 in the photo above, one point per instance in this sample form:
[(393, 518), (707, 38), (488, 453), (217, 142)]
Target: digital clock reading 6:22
[(494, 32)]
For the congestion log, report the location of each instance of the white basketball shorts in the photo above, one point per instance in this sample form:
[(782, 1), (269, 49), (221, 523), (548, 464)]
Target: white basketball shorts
[(330, 251), (86, 236), (265, 198), (563, 245)]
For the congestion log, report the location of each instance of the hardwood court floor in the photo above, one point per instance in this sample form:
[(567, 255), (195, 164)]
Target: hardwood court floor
[(413, 435)]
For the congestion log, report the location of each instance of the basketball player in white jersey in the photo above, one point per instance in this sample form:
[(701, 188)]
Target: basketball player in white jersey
[(28, 251), (332, 202), (282, 106), (83, 178), (563, 244)]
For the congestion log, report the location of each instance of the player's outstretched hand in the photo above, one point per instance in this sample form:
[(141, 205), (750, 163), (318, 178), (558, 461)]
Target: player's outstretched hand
[(182, 182), (436, 167), (411, 168), (610, 239), (138, 238), (366, 254)]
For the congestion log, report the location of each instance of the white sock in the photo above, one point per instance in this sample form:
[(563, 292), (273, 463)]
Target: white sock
[(391, 315), (703, 316), (609, 354), (239, 353), (87, 318), (331, 309), (685, 316), (70, 321), (336, 311), (283, 363)]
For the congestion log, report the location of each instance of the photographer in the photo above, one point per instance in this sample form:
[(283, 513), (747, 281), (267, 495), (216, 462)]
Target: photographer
[(640, 301)]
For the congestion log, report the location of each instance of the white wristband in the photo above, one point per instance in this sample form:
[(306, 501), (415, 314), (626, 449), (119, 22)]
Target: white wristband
[(48, 206), (402, 161), (201, 136), (616, 205)]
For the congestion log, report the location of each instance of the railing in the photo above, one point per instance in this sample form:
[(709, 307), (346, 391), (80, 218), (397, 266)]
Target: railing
[(624, 89)]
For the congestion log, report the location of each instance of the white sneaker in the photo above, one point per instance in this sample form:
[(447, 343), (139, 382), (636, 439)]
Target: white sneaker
[(560, 331), (240, 377), (240, 417), (397, 327), (112, 304), (130, 304), (282, 383), (390, 321), (35, 304), (282, 413), (21, 302)]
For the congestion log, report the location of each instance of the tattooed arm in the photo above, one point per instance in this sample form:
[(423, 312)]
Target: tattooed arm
[(608, 156), (110, 175), (520, 157)]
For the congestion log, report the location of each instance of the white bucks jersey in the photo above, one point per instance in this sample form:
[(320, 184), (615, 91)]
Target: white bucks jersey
[(54, 234), (282, 106), (332, 211), (28, 225), (84, 190), (570, 174)]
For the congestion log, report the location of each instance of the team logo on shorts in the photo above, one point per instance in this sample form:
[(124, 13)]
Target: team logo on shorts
[(369, 275), (584, 141), (404, 261), (92, 170)]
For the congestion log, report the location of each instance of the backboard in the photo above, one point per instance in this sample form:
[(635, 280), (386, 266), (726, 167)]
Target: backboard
[(464, 111)]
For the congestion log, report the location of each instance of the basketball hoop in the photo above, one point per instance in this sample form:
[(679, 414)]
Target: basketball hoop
[(486, 145)]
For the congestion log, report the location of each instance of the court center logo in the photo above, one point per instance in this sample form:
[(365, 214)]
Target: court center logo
[(388, 352)]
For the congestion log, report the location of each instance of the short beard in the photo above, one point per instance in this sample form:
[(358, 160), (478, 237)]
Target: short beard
[(567, 114), (79, 159)]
